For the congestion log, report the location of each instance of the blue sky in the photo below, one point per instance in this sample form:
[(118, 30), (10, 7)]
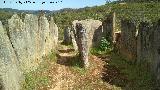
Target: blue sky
[(49, 6)]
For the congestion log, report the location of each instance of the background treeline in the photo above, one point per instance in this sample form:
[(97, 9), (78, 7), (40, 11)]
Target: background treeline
[(137, 12), (138, 1), (147, 11)]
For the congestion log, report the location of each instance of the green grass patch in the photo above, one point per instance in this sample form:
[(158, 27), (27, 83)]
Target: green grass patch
[(77, 65), (34, 81), (97, 51), (139, 77), (81, 71), (39, 77), (52, 56)]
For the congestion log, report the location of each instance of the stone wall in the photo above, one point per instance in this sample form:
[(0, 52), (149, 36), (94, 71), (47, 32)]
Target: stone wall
[(23, 45), (140, 44), (128, 43), (148, 46)]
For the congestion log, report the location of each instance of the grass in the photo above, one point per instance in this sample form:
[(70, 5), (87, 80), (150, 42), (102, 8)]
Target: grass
[(97, 51), (35, 79), (138, 77), (52, 56), (125, 73), (77, 65)]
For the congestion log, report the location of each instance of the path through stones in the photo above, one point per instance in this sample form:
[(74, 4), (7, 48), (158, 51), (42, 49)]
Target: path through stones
[(66, 76)]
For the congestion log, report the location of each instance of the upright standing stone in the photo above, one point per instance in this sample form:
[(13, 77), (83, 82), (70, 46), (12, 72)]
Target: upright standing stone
[(31, 31), (10, 74), (18, 38), (93, 29), (128, 39), (82, 42), (67, 36), (73, 35), (53, 32)]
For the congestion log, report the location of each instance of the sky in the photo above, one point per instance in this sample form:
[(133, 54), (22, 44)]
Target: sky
[(49, 5)]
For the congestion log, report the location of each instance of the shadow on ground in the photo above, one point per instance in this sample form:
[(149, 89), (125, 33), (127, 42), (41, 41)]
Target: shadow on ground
[(66, 51), (68, 59), (112, 74)]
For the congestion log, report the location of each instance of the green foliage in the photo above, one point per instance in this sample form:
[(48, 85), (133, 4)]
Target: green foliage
[(137, 12), (77, 65), (105, 45), (37, 78), (66, 17), (139, 1), (32, 81), (52, 56)]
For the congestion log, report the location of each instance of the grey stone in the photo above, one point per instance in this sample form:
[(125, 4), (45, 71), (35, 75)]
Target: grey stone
[(67, 36), (87, 34), (10, 73)]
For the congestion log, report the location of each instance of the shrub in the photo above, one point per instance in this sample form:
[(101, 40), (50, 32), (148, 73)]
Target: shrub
[(105, 45)]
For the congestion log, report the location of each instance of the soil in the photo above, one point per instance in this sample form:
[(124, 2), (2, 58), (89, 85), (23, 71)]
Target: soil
[(66, 75)]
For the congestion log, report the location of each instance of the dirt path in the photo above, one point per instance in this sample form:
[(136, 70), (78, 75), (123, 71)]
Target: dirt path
[(67, 75)]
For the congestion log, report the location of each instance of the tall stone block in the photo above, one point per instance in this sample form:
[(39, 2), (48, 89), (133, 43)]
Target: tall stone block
[(31, 31), (109, 27), (87, 34), (10, 74), (53, 32), (82, 42), (128, 40), (23, 46), (148, 46), (67, 36), (155, 49), (18, 38), (32, 39), (144, 42), (73, 35), (93, 29)]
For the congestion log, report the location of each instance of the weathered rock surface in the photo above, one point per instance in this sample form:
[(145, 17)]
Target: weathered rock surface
[(32, 39), (10, 73), (93, 29), (87, 33), (67, 36), (82, 42), (148, 46), (73, 35), (53, 32), (22, 47), (139, 44), (128, 43)]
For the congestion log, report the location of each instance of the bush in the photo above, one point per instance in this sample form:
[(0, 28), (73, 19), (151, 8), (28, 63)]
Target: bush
[(105, 45)]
